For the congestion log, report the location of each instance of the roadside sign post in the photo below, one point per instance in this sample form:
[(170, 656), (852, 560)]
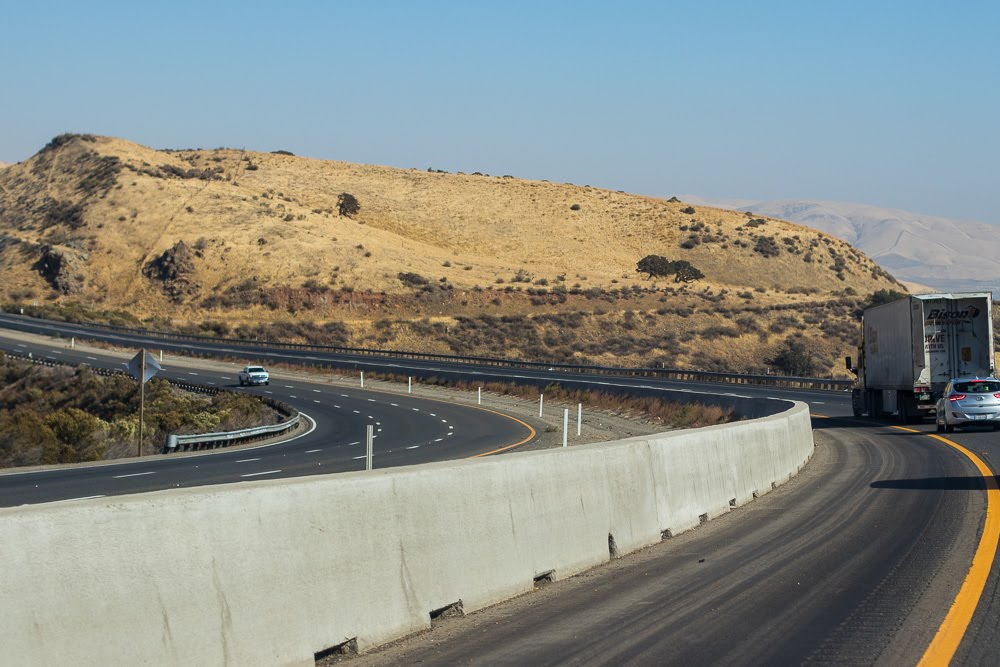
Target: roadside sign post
[(142, 367)]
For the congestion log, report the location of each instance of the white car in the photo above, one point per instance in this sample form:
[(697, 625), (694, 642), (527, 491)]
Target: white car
[(969, 401), (254, 375)]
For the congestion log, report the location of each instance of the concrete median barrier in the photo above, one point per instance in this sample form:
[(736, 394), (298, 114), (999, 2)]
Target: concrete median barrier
[(272, 573)]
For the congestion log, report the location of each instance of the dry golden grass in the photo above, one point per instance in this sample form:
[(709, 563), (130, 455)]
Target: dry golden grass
[(270, 221)]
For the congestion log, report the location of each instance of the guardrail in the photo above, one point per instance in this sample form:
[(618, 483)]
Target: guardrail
[(796, 382), (200, 441), (225, 438)]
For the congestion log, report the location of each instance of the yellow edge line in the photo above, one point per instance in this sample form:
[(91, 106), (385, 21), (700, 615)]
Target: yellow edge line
[(956, 622), (531, 434)]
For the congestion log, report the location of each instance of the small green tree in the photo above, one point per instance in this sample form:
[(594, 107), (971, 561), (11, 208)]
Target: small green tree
[(654, 265), (881, 296), (348, 205), (685, 272), (794, 359)]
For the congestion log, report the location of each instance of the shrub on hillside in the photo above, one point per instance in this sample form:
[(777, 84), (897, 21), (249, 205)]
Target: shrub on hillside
[(881, 296), (348, 205), (794, 359), (412, 279)]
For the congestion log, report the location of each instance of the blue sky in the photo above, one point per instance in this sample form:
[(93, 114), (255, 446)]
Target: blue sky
[(888, 103)]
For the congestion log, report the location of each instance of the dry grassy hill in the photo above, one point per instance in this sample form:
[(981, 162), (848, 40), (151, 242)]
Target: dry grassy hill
[(465, 263)]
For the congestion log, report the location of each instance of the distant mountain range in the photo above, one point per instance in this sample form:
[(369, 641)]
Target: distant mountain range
[(942, 253)]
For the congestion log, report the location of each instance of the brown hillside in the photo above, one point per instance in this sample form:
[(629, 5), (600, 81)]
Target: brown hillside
[(429, 258)]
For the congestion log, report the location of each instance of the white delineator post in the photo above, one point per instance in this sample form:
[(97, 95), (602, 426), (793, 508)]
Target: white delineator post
[(161, 355), (541, 404), (72, 342), (362, 379), (369, 442), (579, 417), (565, 426), (479, 397), (409, 385)]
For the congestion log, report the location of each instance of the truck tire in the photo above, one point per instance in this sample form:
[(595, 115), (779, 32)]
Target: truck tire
[(857, 402)]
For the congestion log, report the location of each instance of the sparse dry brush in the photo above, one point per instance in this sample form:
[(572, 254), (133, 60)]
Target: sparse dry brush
[(66, 415), (294, 243)]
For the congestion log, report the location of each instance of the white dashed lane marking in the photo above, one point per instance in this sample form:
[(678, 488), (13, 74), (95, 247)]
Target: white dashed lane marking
[(248, 460), (133, 474), (256, 474), (313, 451)]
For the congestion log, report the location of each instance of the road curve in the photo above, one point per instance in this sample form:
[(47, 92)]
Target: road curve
[(408, 430), (856, 561)]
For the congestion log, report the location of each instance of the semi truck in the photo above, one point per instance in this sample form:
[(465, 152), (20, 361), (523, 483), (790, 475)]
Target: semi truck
[(912, 347)]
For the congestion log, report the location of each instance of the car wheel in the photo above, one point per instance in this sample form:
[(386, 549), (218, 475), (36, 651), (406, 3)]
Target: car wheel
[(940, 427), (948, 428)]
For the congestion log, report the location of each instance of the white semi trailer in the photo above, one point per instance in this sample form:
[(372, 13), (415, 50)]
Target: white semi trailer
[(910, 348)]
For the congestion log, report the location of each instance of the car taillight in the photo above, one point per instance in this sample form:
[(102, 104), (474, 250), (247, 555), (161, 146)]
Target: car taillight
[(956, 397), (996, 395)]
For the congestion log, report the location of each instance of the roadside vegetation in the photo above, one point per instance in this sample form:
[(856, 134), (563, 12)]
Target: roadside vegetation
[(70, 415), (702, 329)]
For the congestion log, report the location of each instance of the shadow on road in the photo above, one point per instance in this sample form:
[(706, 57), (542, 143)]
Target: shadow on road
[(934, 484)]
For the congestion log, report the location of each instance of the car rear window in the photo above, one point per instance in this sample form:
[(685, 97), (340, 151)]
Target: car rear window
[(977, 387)]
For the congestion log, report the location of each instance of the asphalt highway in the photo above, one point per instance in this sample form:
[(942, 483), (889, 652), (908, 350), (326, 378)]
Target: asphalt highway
[(858, 560), (855, 561), (408, 430)]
